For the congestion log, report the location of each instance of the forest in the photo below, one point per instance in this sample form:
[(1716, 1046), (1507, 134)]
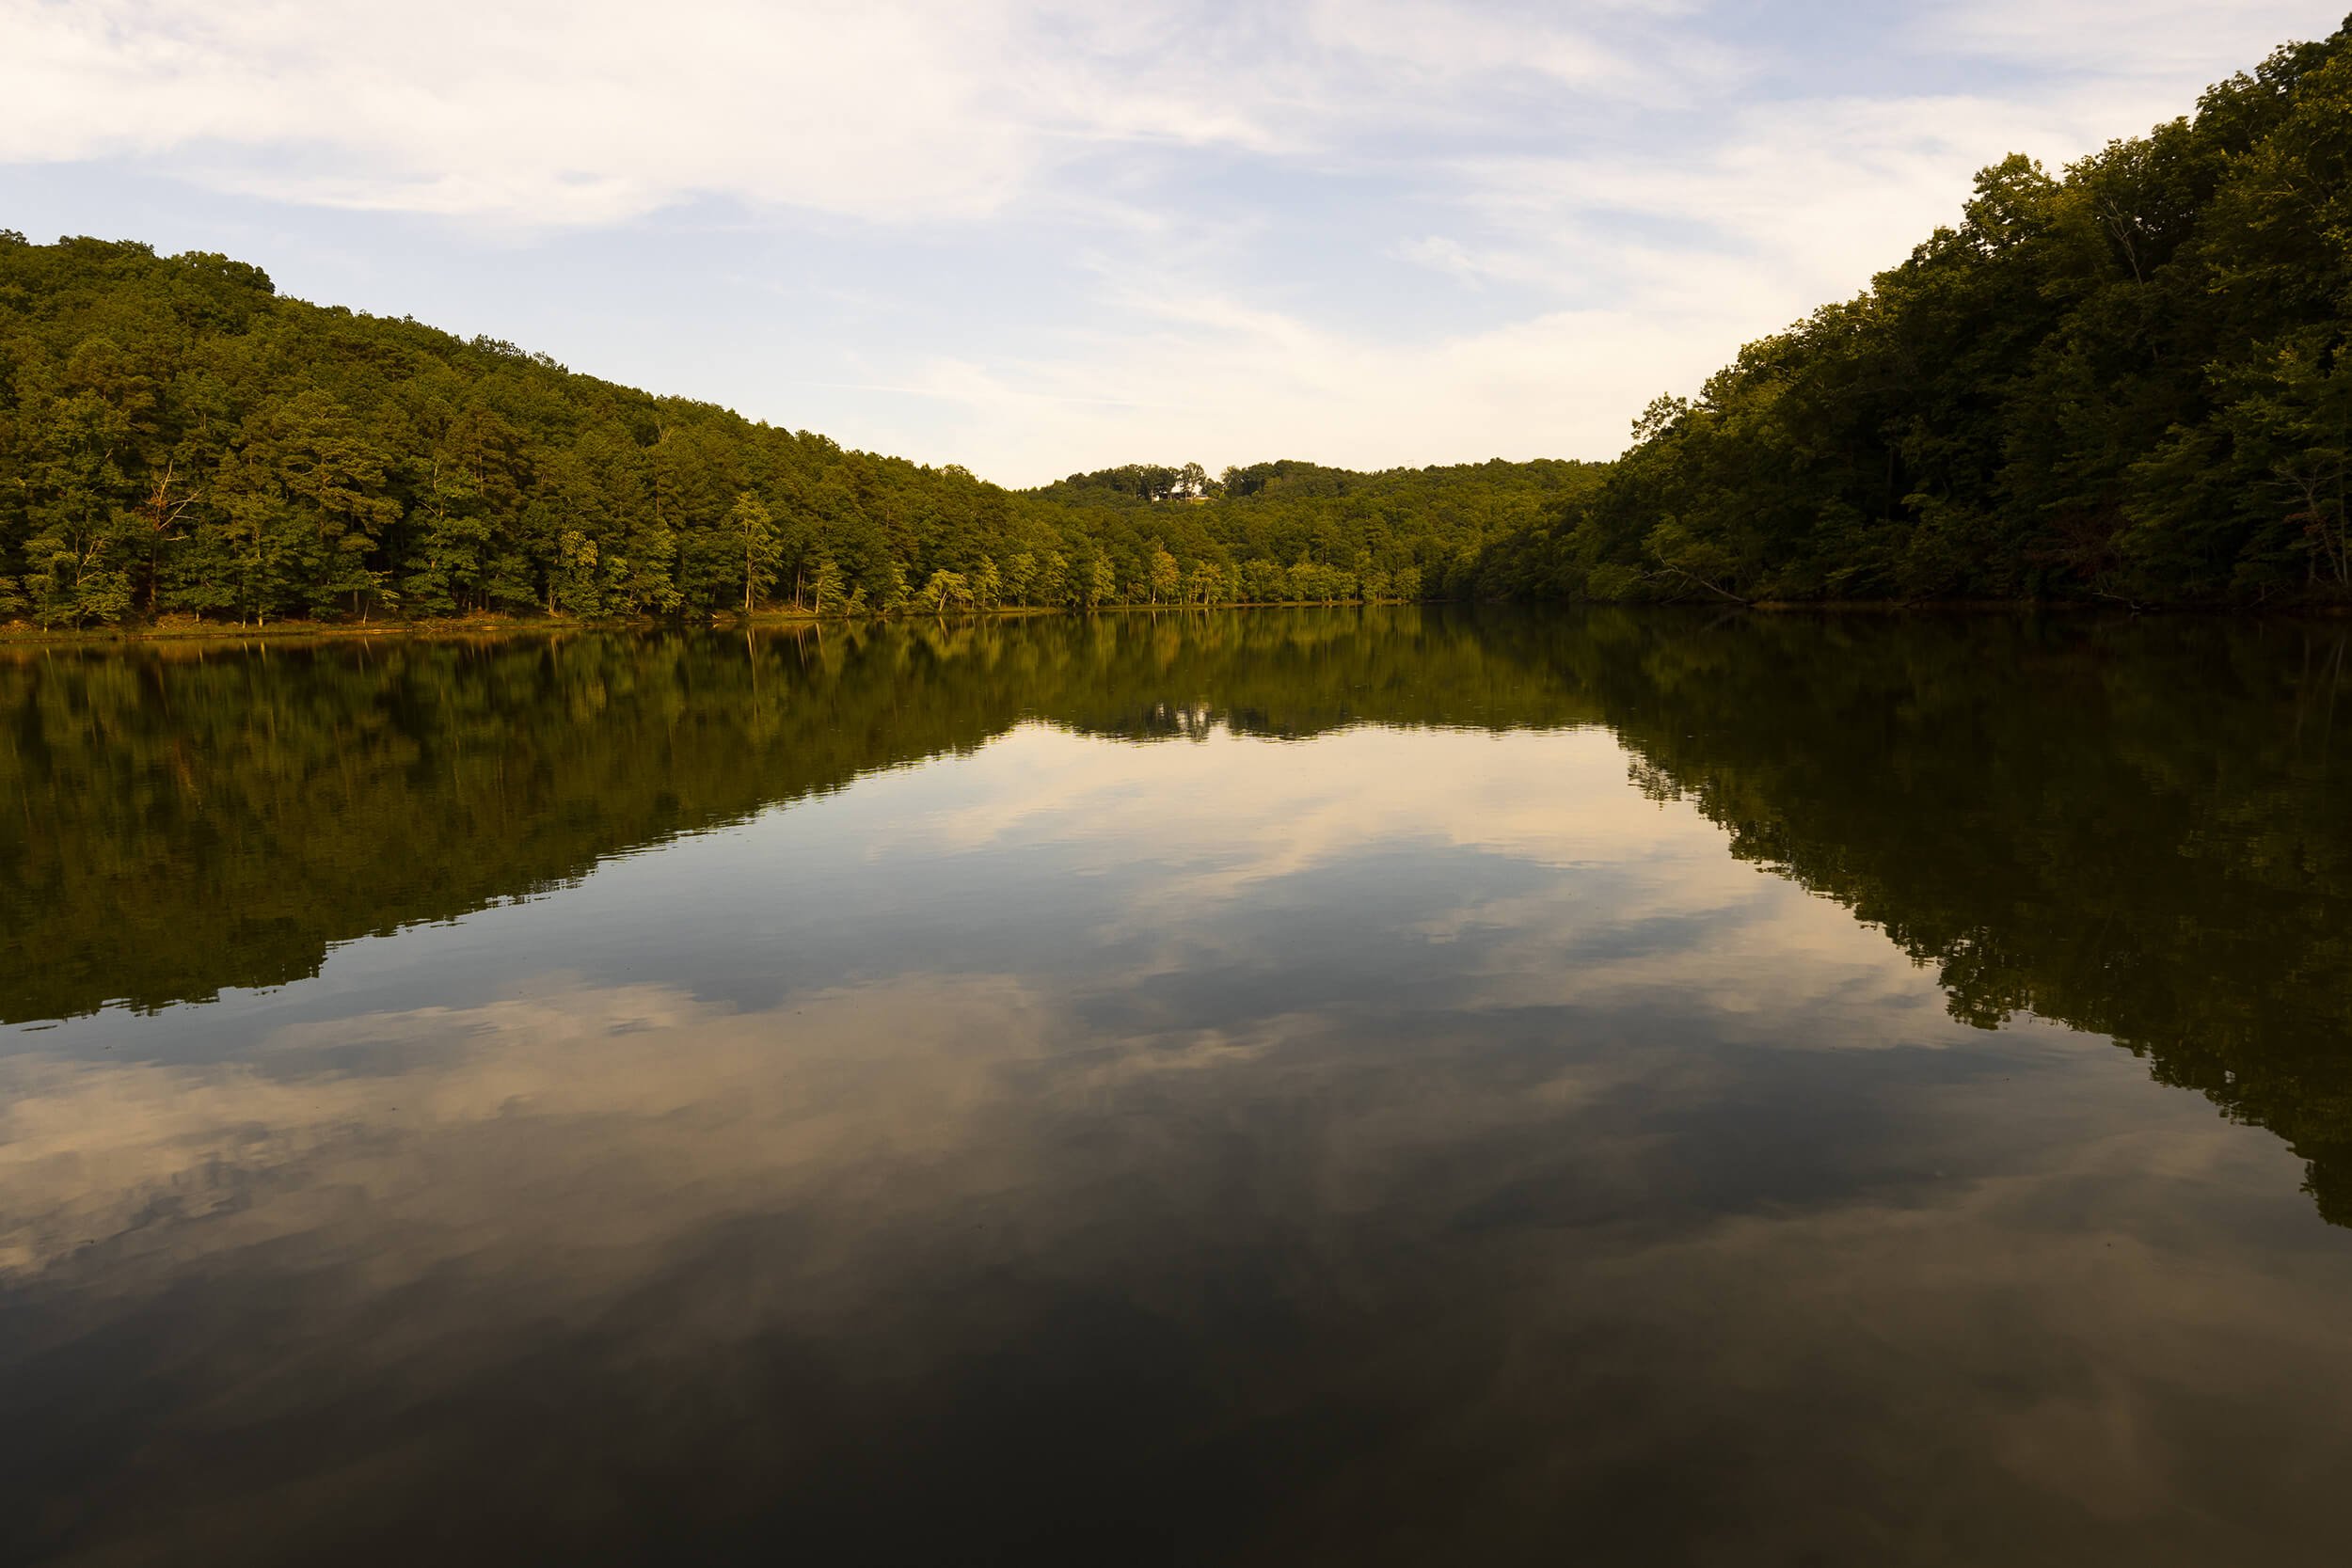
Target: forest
[(2125, 384), (179, 441), (2122, 384)]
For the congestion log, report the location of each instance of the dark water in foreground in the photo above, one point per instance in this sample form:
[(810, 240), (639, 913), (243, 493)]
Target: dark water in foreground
[(1346, 1086)]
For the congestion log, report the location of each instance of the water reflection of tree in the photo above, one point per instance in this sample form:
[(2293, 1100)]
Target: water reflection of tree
[(2126, 826), (2132, 827)]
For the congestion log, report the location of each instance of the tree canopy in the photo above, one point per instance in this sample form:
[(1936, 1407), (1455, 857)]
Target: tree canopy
[(2123, 382), (176, 437)]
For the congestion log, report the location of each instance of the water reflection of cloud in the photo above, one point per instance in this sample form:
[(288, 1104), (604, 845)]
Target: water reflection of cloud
[(96, 1152), (1375, 1172), (1509, 1247), (1243, 809), (1538, 1250), (1584, 890), (1604, 918)]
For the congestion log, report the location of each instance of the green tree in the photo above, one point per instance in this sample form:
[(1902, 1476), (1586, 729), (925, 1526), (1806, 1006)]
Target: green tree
[(824, 584), (1021, 578), (450, 538), (1098, 584), (945, 588), (578, 587), (1166, 576), (754, 530), (1208, 583)]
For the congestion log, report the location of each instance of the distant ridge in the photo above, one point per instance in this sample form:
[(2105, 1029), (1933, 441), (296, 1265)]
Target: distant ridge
[(177, 439)]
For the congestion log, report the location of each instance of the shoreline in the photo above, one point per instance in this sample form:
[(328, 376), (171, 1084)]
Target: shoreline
[(25, 635), (171, 632)]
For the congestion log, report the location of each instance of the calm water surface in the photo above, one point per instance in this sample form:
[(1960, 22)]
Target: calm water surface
[(1335, 1086)]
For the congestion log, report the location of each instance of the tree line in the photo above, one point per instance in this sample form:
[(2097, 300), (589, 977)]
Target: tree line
[(2127, 382), (178, 439), (2124, 383)]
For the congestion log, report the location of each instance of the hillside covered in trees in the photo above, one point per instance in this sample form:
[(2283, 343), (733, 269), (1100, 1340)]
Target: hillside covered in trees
[(2127, 382), (177, 438), (2124, 383)]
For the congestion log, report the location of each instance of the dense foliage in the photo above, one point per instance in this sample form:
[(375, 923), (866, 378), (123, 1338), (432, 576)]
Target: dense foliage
[(2126, 383), (177, 438), (1399, 534)]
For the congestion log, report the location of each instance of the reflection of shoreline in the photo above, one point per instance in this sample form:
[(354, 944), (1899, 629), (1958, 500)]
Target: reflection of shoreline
[(191, 823), (2124, 826), (1533, 883)]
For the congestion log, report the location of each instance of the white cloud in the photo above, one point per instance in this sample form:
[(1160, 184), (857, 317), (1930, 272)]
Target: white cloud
[(2127, 37), (592, 111), (575, 113), (1207, 375), (1601, 201)]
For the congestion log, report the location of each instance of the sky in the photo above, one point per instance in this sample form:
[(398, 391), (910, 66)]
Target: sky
[(1035, 237)]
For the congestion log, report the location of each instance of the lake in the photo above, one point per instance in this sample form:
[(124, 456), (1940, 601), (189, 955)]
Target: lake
[(1351, 1085)]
